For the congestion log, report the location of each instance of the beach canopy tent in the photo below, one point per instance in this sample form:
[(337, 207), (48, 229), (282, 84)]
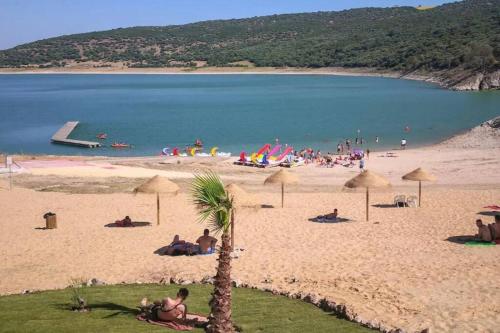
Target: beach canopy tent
[(419, 175), (158, 185), (367, 179), (241, 199), (282, 177)]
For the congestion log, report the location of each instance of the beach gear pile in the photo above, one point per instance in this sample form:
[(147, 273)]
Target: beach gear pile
[(268, 156)]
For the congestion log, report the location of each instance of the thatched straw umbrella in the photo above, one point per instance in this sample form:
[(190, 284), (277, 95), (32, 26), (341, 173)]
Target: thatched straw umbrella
[(241, 199), (367, 179), (419, 175), (158, 185), (282, 177)]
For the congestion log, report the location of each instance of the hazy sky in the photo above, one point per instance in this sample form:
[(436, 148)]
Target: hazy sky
[(24, 21)]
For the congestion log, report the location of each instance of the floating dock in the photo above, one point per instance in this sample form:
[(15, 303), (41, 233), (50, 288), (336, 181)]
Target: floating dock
[(61, 137)]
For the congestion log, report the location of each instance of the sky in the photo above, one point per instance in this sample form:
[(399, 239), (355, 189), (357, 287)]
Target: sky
[(23, 21)]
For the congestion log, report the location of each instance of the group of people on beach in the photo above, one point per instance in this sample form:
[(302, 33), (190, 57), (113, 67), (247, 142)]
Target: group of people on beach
[(490, 232), (205, 244)]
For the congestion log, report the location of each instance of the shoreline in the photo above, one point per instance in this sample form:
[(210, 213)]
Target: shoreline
[(334, 71)]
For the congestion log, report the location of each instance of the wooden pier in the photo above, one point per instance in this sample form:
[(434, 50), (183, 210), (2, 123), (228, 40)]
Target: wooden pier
[(61, 137)]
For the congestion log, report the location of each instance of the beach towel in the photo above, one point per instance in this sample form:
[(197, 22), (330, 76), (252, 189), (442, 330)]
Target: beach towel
[(479, 243), (192, 321), (494, 207)]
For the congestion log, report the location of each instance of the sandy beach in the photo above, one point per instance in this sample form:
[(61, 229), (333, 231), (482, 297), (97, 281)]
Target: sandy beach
[(406, 268)]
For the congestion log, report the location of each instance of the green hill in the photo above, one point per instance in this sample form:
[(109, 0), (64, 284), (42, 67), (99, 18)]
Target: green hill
[(463, 34)]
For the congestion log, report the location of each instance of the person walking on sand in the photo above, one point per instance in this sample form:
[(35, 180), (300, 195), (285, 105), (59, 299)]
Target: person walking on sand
[(403, 144), (368, 153), (362, 165)]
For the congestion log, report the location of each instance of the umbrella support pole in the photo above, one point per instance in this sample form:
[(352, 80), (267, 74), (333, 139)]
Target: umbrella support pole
[(157, 208), (419, 192), (282, 195), (367, 202), (232, 230)]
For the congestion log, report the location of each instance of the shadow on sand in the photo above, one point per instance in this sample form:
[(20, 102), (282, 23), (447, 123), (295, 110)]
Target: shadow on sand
[(385, 206), (460, 239), (134, 224), (337, 220)]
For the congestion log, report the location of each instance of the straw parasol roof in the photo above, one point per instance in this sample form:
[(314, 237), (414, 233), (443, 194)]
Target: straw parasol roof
[(419, 175), (241, 198), (367, 179), (158, 184), (282, 177)]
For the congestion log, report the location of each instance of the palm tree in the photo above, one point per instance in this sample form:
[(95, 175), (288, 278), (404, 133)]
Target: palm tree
[(215, 207)]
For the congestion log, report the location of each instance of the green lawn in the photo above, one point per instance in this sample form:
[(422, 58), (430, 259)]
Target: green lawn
[(114, 310)]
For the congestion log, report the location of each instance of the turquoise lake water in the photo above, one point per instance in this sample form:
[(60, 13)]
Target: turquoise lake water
[(233, 112)]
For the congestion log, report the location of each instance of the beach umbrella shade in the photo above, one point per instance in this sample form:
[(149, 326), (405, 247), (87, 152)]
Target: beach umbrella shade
[(158, 185), (282, 177), (241, 199), (419, 175), (367, 179)]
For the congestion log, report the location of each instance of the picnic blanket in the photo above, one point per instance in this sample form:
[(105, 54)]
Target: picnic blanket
[(192, 320)]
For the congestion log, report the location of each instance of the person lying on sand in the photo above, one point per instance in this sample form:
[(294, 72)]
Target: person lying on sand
[(126, 222), (484, 233), (206, 243), (331, 216), (178, 247)]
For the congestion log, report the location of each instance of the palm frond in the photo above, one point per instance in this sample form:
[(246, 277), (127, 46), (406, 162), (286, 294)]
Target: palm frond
[(212, 201)]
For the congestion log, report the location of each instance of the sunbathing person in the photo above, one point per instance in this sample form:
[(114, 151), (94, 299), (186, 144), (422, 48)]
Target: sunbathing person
[(168, 309), (495, 228), (126, 222), (178, 247), (206, 243), (331, 216), (484, 232)]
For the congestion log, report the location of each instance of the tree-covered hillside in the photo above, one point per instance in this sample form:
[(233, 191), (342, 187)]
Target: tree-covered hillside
[(464, 34)]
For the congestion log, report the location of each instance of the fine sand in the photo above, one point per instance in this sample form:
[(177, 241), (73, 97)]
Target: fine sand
[(406, 268)]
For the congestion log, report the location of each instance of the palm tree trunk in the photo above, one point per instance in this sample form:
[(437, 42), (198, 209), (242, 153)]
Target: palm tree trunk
[(219, 320)]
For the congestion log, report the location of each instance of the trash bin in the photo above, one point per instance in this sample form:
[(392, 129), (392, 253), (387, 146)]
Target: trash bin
[(50, 220)]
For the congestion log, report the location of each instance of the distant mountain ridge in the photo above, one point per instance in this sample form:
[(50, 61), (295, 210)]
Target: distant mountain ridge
[(457, 40)]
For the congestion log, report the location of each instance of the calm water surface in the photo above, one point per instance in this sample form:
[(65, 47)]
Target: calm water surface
[(233, 112)]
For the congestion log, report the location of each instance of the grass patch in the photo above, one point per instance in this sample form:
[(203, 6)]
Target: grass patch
[(114, 309)]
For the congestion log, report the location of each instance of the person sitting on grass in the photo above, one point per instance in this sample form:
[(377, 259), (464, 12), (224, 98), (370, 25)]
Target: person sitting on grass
[(168, 309), (178, 247), (206, 243), (484, 232), (126, 222)]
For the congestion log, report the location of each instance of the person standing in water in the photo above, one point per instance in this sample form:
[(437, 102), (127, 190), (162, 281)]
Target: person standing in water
[(403, 144), (376, 139)]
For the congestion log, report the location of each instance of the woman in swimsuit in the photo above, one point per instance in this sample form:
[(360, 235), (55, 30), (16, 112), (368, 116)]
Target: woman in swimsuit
[(174, 309)]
